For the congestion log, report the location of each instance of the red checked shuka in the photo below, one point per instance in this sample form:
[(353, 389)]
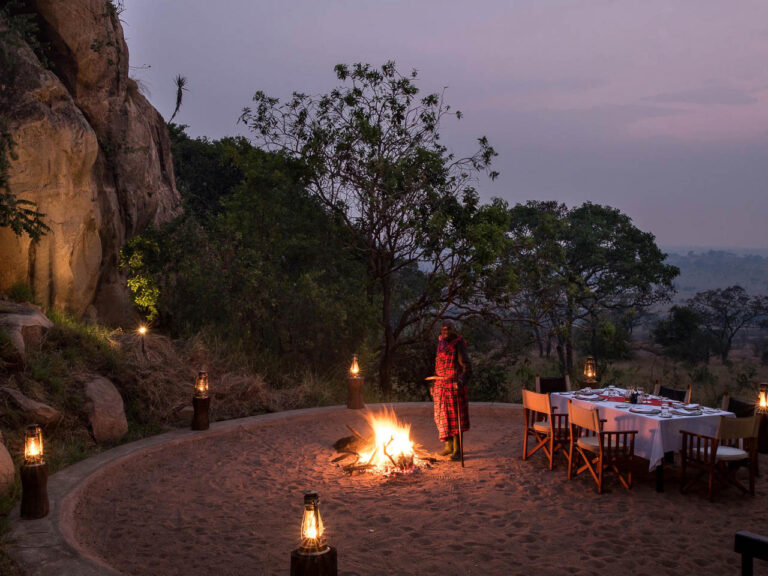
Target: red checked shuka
[(450, 391)]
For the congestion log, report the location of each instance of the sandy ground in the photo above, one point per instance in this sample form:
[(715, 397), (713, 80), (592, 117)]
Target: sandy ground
[(232, 506)]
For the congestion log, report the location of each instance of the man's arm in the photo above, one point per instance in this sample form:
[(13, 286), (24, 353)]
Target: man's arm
[(466, 365)]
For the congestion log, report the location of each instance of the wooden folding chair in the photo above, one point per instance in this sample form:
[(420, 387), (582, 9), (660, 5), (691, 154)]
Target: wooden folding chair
[(598, 449), (672, 394), (549, 430), (549, 384), (720, 456)]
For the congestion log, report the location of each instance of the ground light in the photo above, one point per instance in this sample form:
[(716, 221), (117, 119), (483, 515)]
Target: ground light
[(34, 475), (355, 386), (201, 402), (314, 557)]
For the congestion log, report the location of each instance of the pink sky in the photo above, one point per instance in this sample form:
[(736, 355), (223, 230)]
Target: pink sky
[(658, 108)]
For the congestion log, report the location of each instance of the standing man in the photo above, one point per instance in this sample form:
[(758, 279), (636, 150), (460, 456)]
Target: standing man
[(449, 392)]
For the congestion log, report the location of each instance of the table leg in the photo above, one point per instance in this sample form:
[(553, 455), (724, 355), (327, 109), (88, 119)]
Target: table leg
[(660, 477)]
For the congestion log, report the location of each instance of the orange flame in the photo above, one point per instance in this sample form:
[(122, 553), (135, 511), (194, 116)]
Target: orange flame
[(392, 441)]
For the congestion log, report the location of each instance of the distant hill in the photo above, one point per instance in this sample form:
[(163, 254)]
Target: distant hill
[(711, 269)]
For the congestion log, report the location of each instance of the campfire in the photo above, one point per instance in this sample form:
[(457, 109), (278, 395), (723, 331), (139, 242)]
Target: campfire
[(389, 449)]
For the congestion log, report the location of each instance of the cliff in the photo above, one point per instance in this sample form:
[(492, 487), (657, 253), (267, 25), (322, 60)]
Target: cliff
[(91, 152)]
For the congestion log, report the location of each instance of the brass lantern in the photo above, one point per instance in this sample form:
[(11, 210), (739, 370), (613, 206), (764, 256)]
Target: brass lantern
[(33, 445), (762, 399), (312, 530), (590, 370), (354, 369), (201, 384)]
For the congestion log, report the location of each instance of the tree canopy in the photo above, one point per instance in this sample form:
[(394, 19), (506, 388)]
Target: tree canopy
[(374, 159)]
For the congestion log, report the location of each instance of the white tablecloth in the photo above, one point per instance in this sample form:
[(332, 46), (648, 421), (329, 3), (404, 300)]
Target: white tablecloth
[(655, 435)]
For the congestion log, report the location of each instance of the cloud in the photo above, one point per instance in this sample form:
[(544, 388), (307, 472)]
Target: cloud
[(707, 96)]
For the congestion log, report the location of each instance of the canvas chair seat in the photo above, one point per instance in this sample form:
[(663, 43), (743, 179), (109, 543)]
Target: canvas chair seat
[(591, 443), (725, 453), (542, 427), (734, 444)]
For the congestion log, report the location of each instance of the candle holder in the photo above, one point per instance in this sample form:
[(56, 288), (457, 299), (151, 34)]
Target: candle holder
[(314, 557), (201, 402), (34, 475), (355, 386), (761, 407)]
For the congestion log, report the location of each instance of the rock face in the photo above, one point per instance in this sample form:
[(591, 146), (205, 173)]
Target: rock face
[(24, 325), (7, 471), (105, 410), (35, 412), (91, 152)]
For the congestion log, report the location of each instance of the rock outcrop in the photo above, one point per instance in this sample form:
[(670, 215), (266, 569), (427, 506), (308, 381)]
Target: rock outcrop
[(34, 411), (105, 410), (91, 152), (24, 325), (7, 471)]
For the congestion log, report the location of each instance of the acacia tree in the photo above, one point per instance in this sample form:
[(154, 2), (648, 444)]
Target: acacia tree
[(724, 312), (577, 264), (374, 157)]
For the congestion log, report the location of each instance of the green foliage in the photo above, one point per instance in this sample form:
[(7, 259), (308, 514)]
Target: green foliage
[(140, 258), (581, 267), (257, 261), (374, 160), (723, 313), (681, 336), (21, 292)]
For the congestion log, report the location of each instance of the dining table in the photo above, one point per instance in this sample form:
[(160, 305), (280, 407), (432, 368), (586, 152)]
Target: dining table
[(658, 426)]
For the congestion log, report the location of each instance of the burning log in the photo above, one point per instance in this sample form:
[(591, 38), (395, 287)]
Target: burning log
[(389, 449)]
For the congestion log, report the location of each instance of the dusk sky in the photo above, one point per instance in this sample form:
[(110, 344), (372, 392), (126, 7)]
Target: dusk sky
[(659, 108)]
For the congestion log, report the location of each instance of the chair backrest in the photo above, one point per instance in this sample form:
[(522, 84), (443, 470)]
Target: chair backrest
[(587, 418), (739, 407), (734, 428), (536, 402), (549, 384), (672, 394)]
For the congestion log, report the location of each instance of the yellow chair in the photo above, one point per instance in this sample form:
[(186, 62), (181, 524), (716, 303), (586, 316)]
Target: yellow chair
[(599, 449), (549, 430)]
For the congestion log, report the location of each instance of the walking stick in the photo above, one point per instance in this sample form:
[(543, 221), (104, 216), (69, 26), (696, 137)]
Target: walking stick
[(461, 435)]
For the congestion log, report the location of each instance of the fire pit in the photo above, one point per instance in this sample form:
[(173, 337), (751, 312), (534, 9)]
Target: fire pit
[(388, 450)]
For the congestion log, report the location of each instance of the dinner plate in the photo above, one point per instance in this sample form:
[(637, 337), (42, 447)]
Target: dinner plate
[(687, 412), (645, 410), (691, 407), (587, 396), (621, 405)]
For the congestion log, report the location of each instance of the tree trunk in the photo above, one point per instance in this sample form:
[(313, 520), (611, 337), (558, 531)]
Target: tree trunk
[(387, 355)]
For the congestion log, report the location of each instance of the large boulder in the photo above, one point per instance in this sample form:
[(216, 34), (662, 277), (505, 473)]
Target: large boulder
[(90, 151), (105, 410), (7, 471), (33, 410), (25, 326)]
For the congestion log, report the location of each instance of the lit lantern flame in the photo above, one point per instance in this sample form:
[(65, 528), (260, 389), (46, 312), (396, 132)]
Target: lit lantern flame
[(354, 370), (762, 399), (393, 445), (33, 445), (590, 370), (312, 530), (142, 330), (201, 384)]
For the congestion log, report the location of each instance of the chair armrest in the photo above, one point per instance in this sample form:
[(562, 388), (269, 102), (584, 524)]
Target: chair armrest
[(694, 435)]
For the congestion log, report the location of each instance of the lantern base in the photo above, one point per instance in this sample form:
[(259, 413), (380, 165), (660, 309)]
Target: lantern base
[(314, 564), (200, 417), (34, 490), (355, 393)]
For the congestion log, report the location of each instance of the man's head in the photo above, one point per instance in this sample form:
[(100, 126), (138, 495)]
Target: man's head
[(447, 328)]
